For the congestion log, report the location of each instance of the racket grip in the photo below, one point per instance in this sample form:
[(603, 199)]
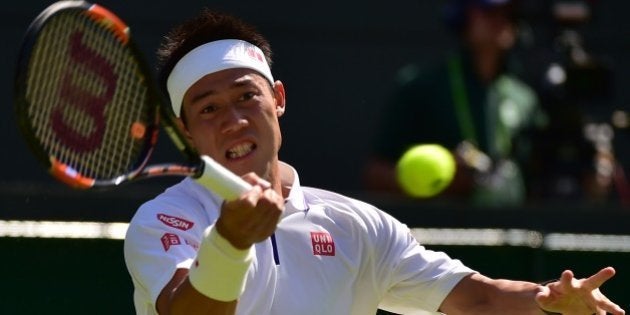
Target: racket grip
[(220, 180)]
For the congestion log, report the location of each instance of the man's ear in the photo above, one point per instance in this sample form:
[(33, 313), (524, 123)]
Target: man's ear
[(280, 97), (184, 130)]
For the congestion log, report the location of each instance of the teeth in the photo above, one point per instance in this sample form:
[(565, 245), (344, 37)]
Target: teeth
[(240, 150)]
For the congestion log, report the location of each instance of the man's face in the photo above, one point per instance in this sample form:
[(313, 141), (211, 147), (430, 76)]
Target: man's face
[(232, 116), (490, 27)]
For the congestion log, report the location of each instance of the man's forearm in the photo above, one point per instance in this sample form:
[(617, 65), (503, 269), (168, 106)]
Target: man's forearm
[(477, 294)]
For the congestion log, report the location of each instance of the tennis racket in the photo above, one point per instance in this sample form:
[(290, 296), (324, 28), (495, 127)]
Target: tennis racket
[(88, 106)]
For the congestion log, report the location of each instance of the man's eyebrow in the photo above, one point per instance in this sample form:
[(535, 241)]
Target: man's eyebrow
[(237, 84), (201, 96)]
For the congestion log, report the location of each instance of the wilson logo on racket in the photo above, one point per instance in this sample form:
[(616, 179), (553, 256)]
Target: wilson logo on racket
[(77, 103), (175, 222)]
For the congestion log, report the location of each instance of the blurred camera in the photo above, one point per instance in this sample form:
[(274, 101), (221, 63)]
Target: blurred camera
[(576, 75), (577, 95)]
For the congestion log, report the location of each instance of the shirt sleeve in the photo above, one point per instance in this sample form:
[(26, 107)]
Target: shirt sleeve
[(163, 236), (415, 278)]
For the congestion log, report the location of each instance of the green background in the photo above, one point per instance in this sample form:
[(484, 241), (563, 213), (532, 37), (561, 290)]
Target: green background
[(65, 276)]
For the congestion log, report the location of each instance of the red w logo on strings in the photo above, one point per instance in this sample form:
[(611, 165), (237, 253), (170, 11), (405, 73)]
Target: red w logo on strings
[(73, 97)]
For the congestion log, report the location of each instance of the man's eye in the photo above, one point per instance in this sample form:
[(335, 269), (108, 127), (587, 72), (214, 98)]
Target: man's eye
[(208, 109), (248, 96)]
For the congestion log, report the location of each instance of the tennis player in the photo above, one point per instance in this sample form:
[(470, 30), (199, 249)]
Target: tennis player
[(282, 248)]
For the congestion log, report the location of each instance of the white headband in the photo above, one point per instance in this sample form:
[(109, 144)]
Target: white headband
[(209, 58)]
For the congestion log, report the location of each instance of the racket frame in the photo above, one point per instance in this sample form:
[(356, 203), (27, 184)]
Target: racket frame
[(162, 114)]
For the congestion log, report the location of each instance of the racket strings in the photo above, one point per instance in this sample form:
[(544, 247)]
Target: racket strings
[(86, 93)]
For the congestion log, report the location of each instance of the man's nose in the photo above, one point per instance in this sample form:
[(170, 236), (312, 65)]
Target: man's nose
[(234, 120)]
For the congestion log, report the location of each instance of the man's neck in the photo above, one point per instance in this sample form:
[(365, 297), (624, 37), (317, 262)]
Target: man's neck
[(283, 179), (487, 63)]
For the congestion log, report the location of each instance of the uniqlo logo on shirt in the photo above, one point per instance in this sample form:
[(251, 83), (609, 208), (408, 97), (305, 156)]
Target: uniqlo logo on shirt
[(323, 244), (170, 239)]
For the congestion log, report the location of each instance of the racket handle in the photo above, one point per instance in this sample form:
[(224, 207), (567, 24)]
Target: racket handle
[(220, 180)]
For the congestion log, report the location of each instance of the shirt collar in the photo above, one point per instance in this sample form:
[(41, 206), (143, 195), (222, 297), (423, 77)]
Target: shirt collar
[(295, 201)]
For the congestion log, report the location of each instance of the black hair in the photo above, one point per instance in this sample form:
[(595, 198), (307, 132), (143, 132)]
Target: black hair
[(206, 27)]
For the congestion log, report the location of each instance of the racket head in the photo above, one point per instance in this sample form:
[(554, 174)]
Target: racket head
[(85, 99)]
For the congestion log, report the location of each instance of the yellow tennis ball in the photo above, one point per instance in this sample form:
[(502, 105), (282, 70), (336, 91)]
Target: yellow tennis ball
[(425, 170)]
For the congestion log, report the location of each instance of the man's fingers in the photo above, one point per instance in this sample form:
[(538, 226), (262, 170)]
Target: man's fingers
[(610, 307), (253, 195), (268, 208), (596, 280), (565, 281), (255, 180), (543, 295), (586, 291)]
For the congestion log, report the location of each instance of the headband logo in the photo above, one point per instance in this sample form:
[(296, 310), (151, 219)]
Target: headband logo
[(254, 54)]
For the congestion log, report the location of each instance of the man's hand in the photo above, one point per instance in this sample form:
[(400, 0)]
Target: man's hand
[(253, 217), (571, 296)]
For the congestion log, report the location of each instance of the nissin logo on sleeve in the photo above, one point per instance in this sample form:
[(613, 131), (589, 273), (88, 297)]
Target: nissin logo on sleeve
[(175, 222)]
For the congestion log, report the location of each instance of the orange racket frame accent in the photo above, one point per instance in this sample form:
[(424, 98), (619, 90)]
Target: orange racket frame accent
[(111, 21), (68, 175)]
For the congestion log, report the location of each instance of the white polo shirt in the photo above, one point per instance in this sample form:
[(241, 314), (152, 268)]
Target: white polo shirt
[(330, 255)]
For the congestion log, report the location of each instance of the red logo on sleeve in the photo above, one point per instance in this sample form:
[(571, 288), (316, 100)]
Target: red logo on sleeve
[(323, 244), (170, 239), (175, 222)]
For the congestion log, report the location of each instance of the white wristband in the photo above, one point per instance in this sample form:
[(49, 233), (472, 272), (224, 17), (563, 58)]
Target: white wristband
[(220, 269)]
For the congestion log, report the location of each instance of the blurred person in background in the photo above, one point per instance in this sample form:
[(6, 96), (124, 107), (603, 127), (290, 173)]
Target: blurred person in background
[(469, 102)]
